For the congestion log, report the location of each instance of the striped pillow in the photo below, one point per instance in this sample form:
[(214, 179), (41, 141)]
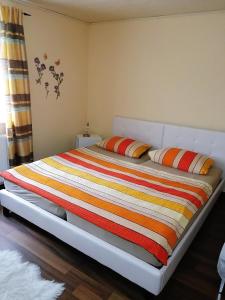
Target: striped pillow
[(124, 146), (184, 160)]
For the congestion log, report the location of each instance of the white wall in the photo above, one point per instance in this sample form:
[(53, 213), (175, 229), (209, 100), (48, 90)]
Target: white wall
[(169, 69)]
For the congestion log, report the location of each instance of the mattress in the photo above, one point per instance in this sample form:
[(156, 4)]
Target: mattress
[(213, 178), (35, 199)]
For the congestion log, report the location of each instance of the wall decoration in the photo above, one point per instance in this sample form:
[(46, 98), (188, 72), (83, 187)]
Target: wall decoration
[(59, 79), (42, 69), (57, 63), (47, 88)]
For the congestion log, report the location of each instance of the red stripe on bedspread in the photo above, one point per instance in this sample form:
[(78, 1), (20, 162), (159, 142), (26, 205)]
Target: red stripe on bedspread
[(128, 178), (126, 233)]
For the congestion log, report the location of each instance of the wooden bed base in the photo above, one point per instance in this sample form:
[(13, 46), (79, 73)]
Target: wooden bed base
[(134, 269)]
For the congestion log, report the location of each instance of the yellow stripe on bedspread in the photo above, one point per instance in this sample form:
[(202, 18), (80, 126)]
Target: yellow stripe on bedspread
[(145, 206)]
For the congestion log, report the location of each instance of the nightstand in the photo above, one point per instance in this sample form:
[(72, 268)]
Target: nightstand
[(85, 141)]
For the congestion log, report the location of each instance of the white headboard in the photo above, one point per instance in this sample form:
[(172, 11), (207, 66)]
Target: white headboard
[(161, 135), (145, 131)]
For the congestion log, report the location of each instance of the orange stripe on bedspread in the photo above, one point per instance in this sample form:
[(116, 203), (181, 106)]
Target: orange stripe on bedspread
[(135, 217), (126, 233), (194, 189), (130, 201), (140, 182)]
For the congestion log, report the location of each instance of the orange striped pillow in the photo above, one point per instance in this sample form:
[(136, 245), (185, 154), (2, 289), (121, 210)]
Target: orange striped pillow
[(124, 146), (181, 159)]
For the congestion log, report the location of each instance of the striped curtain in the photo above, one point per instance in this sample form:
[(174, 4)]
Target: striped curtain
[(15, 105)]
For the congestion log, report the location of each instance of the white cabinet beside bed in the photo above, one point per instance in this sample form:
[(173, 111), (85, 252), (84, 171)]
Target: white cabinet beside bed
[(85, 141)]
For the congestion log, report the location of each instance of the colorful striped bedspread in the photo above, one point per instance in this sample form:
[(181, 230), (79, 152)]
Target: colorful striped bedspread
[(147, 207)]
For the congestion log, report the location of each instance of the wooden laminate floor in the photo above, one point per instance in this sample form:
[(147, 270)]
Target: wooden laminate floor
[(196, 277)]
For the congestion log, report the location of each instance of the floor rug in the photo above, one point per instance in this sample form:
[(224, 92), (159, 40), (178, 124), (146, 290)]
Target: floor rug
[(21, 280)]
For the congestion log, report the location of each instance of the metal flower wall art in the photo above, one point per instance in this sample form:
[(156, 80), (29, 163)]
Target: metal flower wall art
[(42, 70), (59, 79)]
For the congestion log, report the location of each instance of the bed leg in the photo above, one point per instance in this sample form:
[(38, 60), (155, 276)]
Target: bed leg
[(6, 212)]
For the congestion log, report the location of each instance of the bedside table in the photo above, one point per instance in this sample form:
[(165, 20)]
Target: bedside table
[(85, 141)]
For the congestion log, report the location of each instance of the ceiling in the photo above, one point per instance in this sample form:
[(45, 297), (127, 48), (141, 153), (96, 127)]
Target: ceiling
[(107, 10)]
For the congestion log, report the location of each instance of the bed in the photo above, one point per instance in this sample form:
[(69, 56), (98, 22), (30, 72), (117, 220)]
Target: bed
[(118, 258)]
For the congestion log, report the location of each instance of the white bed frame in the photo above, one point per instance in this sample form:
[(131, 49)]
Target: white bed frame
[(136, 270)]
